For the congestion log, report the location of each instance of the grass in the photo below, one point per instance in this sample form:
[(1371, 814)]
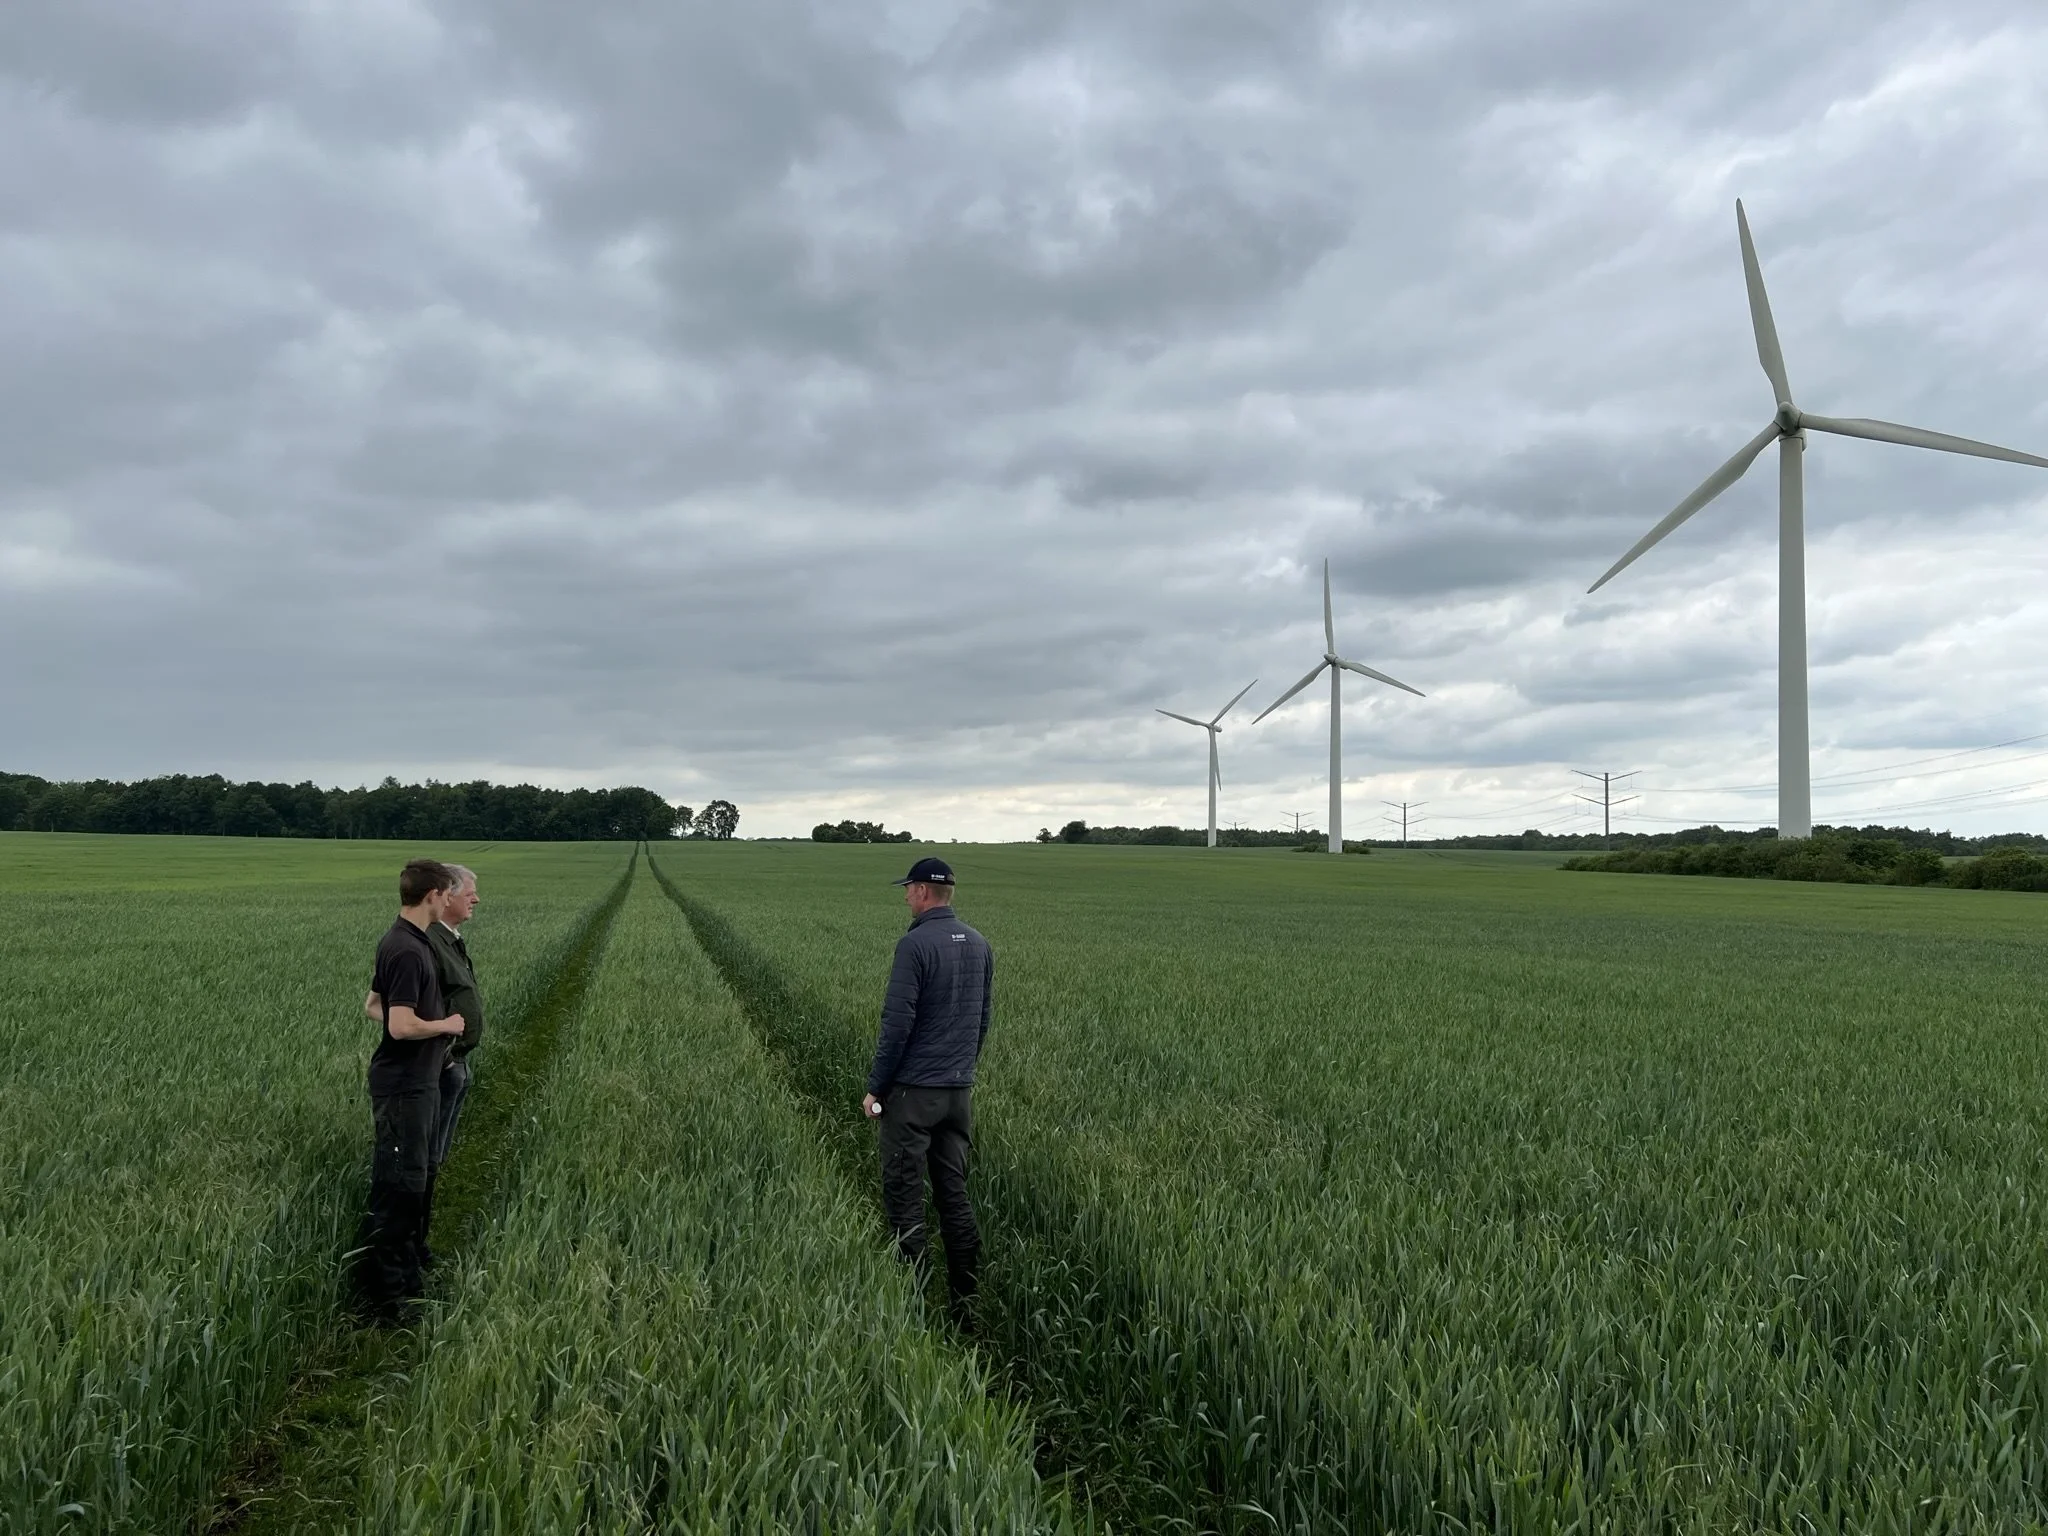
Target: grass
[(1424, 1192), (303, 1472), (181, 1081), (684, 1323)]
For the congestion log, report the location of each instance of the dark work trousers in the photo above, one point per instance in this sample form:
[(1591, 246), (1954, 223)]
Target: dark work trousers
[(931, 1129), (454, 1089), (392, 1232)]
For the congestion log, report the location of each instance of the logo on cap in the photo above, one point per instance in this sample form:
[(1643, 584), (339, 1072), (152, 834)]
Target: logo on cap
[(928, 872)]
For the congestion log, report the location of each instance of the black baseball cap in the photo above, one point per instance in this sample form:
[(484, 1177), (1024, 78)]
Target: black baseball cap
[(929, 872)]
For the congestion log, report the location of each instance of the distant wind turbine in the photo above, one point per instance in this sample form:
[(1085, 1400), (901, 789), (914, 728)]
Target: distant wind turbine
[(1337, 666), (1214, 728), (1788, 431)]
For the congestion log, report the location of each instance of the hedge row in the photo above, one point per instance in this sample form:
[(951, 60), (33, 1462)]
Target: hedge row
[(1851, 860)]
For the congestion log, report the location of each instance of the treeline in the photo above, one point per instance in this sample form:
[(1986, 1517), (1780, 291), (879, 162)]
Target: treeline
[(1945, 843), (209, 805), (1179, 837), (1850, 858), (856, 832)]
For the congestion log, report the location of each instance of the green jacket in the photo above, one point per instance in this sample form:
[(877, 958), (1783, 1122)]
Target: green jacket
[(458, 984)]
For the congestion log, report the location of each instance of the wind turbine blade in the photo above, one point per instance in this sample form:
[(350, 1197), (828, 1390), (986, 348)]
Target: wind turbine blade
[(1917, 437), (1380, 677), (1767, 351), (1329, 629), (1711, 487), (1190, 719), (1290, 693), (1226, 709)]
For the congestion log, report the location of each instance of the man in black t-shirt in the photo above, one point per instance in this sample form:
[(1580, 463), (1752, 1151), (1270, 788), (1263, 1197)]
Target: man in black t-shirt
[(459, 995), (405, 1076)]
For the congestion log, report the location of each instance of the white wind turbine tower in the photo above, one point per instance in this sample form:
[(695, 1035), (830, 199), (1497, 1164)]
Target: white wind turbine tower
[(1788, 431), (1338, 667), (1214, 728)]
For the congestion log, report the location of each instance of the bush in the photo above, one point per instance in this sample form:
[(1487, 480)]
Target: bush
[(1836, 857), (1823, 863), (2002, 869), (1874, 852), (1919, 866)]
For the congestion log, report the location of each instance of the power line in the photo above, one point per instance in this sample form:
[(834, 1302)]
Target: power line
[(1872, 779), (1529, 805), (1979, 800), (1845, 781), (1882, 768), (1957, 802), (1563, 818), (1607, 802), (1544, 814), (1403, 806), (1689, 821)]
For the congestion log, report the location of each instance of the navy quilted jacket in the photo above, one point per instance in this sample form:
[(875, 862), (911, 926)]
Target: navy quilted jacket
[(936, 1013)]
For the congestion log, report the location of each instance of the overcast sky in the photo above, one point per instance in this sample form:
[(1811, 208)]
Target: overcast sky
[(879, 410)]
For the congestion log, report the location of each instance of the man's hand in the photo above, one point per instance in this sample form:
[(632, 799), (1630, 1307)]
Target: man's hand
[(453, 1025), (373, 1005), (871, 1107)]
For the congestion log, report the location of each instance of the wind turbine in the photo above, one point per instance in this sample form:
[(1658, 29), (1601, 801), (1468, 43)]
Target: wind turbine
[(1215, 729), (1338, 667), (1788, 431)]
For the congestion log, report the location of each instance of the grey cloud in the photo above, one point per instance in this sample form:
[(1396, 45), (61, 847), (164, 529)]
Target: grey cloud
[(811, 194), (728, 375), (147, 65)]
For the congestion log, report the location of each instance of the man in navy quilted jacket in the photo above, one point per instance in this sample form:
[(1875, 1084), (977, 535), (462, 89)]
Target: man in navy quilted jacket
[(934, 1020)]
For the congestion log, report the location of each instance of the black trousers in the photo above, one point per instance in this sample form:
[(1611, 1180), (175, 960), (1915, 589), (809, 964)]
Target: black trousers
[(454, 1089), (393, 1231), (931, 1130)]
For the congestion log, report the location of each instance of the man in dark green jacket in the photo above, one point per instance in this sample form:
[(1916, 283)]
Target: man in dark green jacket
[(458, 985)]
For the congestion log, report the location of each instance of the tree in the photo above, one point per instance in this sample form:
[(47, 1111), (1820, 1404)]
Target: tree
[(1074, 832), (246, 813), (1045, 834), (856, 832), (720, 819), (208, 804)]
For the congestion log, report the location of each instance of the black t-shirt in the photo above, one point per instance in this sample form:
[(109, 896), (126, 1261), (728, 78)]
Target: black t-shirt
[(406, 977)]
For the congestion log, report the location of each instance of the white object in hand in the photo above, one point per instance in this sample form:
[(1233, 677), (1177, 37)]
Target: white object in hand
[(875, 1109)]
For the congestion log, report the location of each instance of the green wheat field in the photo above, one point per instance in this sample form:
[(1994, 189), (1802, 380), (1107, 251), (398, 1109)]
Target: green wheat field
[(1411, 1193)]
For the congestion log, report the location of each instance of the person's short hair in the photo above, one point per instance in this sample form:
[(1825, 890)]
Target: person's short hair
[(421, 878), (465, 877)]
